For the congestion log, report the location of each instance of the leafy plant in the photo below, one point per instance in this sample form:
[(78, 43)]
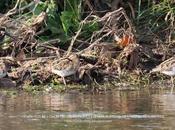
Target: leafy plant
[(71, 15), (155, 16)]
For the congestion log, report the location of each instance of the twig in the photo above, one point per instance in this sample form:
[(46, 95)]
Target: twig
[(131, 27), (116, 12), (77, 34), (13, 11), (94, 43), (52, 41), (74, 39)]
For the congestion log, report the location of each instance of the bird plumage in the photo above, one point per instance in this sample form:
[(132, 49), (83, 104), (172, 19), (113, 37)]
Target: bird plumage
[(66, 67), (168, 68)]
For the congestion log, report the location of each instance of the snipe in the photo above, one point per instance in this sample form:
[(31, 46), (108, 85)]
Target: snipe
[(168, 68), (66, 67)]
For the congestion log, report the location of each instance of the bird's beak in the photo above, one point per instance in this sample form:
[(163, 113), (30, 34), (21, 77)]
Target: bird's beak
[(8, 34)]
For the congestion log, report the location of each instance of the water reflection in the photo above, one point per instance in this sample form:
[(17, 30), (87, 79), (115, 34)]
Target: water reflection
[(123, 102), (111, 110)]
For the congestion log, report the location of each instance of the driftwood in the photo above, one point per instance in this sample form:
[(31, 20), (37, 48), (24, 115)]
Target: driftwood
[(100, 57)]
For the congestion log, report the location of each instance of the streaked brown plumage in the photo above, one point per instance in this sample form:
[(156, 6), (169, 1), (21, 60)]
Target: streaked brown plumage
[(66, 67), (168, 68)]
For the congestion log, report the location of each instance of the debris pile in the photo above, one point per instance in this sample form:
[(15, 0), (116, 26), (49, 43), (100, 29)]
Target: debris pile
[(106, 54)]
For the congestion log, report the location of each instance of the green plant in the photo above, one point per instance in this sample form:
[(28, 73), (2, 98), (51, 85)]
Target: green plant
[(71, 16), (157, 16)]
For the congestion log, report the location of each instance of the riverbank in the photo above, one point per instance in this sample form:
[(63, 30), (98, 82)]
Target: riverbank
[(117, 48)]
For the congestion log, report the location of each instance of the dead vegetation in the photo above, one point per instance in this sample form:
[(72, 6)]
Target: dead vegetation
[(107, 54)]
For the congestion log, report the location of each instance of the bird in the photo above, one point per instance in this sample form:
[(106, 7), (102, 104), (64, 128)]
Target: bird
[(3, 32), (66, 66), (168, 68), (3, 69)]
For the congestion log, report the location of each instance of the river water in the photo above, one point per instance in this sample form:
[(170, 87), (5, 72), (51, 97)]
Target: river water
[(116, 110)]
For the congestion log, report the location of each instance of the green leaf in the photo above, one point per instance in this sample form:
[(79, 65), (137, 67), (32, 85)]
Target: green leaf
[(68, 21)]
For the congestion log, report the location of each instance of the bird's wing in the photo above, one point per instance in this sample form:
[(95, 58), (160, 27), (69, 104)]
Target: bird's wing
[(167, 64), (63, 64)]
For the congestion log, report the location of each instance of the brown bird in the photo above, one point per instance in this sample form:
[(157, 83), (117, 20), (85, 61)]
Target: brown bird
[(66, 67), (168, 68)]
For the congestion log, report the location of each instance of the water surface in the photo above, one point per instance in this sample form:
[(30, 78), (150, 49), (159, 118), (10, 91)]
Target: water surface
[(123, 110)]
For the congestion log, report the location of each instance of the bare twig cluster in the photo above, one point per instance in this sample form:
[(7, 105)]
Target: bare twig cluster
[(101, 57)]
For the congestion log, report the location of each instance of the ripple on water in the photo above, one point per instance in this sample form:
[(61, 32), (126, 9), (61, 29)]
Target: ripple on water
[(87, 116)]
